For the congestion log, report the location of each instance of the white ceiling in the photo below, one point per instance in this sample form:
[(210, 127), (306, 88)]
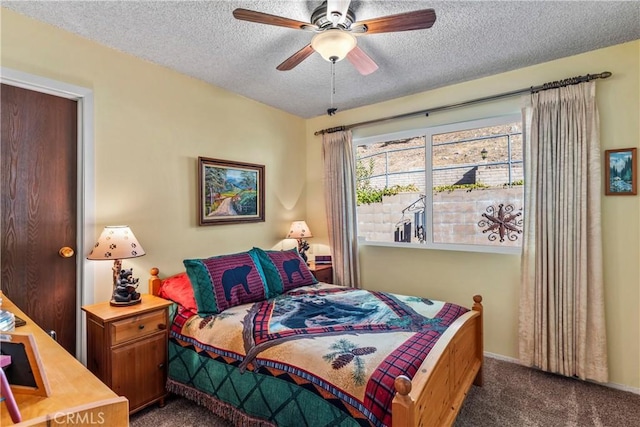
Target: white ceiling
[(469, 40)]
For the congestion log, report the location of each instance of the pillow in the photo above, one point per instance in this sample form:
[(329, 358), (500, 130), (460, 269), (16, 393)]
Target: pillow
[(284, 270), (225, 281), (178, 288)]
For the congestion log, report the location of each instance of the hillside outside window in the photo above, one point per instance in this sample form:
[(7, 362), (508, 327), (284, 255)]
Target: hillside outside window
[(457, 186)]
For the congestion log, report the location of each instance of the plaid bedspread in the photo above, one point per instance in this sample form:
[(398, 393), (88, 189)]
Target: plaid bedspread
[(343, 345)]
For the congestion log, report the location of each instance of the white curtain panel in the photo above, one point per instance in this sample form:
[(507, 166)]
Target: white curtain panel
[(562, 321), (340, 201)]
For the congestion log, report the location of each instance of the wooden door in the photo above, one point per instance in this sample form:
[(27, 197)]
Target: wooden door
[(39, 208)]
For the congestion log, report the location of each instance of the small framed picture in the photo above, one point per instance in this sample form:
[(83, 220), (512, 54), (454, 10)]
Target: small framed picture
[(621, 172), (230, 192), (25, 373)]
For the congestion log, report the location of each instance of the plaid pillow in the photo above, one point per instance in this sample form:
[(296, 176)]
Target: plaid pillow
[(226, 281), (284, 270)]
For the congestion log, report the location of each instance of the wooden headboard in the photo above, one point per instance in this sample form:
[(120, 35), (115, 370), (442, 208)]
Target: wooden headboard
[(154, 281)]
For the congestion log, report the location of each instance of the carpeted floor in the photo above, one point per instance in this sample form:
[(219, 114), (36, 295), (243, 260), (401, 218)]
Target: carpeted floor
[(512, 396)]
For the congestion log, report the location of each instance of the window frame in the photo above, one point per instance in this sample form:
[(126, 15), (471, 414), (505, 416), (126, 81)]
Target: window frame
[(428, 133)]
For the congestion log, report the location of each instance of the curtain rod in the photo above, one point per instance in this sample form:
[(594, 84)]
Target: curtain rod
[(532, 89)]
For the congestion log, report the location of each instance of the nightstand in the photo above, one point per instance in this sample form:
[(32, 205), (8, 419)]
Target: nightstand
[(127, 349), (322, 272)]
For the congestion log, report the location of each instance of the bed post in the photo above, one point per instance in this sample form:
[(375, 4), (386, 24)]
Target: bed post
[(477, 306), (405, 416), (154, 282)]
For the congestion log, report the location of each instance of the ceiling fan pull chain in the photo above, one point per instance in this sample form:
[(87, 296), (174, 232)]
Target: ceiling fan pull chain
[(331, 111), (333, 81)]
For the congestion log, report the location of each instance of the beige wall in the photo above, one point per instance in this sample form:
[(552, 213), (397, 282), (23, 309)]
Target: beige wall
[(456, 276), (151, 124)]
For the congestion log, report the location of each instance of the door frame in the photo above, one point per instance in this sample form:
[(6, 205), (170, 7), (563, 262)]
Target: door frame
[(86, 227)]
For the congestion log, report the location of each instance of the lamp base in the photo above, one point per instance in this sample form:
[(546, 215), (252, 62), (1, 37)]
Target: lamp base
[(125, 303), (124, 287), (303, 246)]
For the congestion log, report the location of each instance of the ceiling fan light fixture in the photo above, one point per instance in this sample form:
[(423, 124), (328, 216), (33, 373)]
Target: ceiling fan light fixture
[(333, 45)]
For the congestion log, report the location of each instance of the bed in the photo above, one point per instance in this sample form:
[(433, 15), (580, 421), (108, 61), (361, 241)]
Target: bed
[(279, 348)]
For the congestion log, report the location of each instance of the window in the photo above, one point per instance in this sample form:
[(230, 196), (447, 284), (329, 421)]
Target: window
[(457, 186)]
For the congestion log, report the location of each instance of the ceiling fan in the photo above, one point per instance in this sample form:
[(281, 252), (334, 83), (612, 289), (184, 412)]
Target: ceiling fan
[(335, 26)]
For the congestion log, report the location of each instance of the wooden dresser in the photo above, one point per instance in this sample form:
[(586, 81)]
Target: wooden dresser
[(77, 396), (127, 349)]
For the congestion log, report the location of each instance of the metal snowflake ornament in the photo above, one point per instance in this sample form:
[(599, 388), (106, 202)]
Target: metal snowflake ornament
[(503, 223)]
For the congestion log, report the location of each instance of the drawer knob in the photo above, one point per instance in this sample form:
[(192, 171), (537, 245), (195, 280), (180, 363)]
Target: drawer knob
[(160, 366), (140, 326)]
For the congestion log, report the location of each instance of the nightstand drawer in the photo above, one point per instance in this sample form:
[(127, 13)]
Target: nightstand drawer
[(138, 326), (324, 276), (323, 273)]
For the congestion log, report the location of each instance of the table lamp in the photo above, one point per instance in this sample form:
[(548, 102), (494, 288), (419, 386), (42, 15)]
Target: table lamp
[(116, 243), (299, 230)]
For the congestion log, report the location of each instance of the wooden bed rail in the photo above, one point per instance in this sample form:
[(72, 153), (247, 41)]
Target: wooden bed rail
[(436, 393)]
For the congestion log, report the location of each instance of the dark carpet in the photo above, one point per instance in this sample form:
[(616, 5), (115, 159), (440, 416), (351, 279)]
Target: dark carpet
[(512, 395)]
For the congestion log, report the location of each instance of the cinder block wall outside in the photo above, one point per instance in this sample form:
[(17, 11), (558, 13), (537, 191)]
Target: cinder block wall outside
[(458, 216)]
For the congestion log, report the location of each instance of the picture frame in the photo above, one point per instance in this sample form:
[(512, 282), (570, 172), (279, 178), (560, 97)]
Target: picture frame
[(25, 374), (229, 192), (621, 172)]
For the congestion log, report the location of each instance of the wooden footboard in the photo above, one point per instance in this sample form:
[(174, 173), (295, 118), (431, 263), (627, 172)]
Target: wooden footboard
[(436, 393)]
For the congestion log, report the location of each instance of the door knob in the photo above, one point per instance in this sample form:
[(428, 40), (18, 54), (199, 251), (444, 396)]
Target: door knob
[(66, 252)]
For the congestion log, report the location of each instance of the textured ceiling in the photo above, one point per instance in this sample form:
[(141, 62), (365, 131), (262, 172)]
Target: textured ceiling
[(470, 39)]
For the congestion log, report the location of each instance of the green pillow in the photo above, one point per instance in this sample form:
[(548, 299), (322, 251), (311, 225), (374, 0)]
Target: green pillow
[(284, 270), (226, 281)]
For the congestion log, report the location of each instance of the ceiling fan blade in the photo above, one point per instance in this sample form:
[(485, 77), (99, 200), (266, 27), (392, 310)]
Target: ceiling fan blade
[(415, 20), (296, 58), (339, 6), (361, 61), (265, 18)]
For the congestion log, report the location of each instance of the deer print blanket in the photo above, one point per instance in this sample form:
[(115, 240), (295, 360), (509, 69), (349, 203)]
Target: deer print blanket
[(345, 345)]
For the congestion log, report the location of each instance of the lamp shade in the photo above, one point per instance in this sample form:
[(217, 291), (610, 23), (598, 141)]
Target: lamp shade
[(333, 45), (116, 242), (299, 230)]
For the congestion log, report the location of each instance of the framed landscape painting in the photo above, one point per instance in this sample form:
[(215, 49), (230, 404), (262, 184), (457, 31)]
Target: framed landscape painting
[(621, 172), (230, 192)]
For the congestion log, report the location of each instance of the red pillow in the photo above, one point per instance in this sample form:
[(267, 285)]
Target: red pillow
[(178, 288)]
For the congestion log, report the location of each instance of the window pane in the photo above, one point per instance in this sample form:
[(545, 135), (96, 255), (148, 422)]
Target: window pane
[(390, 186), (477, 186)]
